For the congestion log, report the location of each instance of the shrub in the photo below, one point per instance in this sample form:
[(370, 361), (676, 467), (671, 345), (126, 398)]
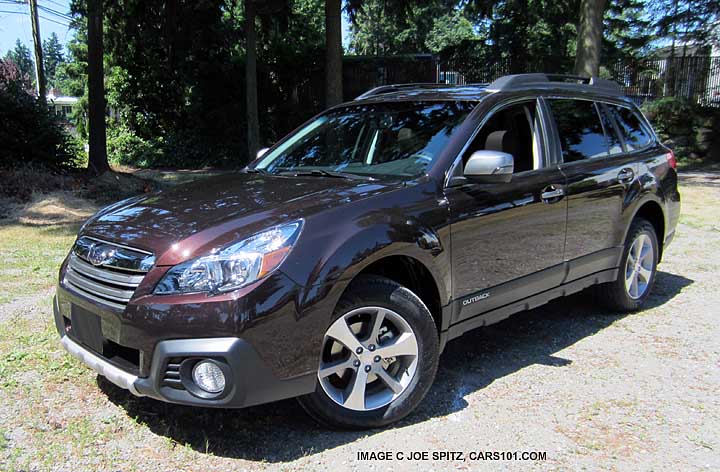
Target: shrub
[(182, 148), (29, 134), (127, 148), (671, 116), (684, 126)]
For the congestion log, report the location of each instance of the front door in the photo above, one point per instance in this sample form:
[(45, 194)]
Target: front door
[(508, 238)]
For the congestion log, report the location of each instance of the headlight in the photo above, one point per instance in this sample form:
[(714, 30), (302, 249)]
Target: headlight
[(235, 266)]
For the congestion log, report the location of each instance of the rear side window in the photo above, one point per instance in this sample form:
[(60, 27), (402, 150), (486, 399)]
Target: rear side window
[(630, 127), (611, 132), (581, 133)]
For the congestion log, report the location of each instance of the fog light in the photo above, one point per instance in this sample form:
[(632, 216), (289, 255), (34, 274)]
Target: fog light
[(208, 376)]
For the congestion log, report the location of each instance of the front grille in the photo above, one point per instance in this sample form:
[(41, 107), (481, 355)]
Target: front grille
[(113, 276)]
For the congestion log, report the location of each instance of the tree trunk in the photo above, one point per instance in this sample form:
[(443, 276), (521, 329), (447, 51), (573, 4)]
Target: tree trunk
[(670, 74), (39, 64), (251, 100), (333, 57), (589, 39), (98, 162)]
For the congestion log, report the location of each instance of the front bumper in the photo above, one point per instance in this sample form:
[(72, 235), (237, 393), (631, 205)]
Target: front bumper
[(249, 380)]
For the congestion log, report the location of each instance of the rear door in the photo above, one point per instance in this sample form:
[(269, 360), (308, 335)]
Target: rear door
[(600, 178), (507, 238)]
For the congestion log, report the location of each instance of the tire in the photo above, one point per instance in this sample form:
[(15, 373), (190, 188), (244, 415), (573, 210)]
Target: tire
[(355, 398), (619, 295)]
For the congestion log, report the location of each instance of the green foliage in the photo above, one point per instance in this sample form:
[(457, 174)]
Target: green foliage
[(382, 27), (288, 68), (684, 126), (126, 148), (449, 30), (71, 78), (71, 75), (627, 32), (22, 58), (693, 21), (174, 72), (52, 57), (671, 115), (29, 133)]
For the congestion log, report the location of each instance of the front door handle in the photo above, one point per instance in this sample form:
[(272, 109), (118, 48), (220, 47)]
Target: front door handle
[(626, 175), (552, 194)]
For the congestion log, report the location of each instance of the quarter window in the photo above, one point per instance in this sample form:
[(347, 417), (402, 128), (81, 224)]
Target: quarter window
[(581, 133), (630, 126)]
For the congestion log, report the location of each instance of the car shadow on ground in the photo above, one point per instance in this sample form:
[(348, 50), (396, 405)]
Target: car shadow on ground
[(281, 431)]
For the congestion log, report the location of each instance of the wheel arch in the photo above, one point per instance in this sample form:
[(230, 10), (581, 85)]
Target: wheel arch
[(652, 211), (411, 273)]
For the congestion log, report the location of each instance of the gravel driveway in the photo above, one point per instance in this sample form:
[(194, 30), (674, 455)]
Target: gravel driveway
[(591, 389)]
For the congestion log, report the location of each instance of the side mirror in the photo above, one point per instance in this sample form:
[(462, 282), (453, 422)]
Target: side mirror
[(489, 167), (261, 152)]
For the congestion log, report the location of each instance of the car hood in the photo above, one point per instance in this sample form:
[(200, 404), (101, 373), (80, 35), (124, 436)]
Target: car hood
[(192, 219)]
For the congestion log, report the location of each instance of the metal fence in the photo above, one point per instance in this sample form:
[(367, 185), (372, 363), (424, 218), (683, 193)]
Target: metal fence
[(696, 78)]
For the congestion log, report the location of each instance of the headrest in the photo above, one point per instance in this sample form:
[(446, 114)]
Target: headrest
[(503, 141), (405, 133)]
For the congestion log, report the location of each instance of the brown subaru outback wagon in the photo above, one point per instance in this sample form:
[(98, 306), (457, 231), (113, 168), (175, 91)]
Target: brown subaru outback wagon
[(338, 264)]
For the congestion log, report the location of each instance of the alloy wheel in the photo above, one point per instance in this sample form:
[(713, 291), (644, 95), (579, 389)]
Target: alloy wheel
[(369, 358), (639, 266)]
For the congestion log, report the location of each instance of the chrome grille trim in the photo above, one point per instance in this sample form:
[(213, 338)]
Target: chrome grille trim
[(117, 278), (101, 253), (134, 249), (102, 284), (94, 298), (88, 285)]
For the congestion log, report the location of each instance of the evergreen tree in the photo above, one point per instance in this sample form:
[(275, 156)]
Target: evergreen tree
[(386, 27), (627, 32), (527, 35), (22, 58), (52, 57), (691, 21)]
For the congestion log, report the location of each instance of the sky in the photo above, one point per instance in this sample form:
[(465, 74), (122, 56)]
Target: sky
[(17, 25)]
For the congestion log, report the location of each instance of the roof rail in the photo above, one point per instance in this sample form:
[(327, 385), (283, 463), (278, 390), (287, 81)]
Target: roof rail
[(397, 87), (516, 81)]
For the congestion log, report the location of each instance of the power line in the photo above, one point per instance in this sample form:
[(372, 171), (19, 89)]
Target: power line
[(43, 17), (56, 3), (53, 12)]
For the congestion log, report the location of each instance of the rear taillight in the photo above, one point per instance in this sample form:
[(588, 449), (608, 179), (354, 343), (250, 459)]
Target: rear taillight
[(671, 159)]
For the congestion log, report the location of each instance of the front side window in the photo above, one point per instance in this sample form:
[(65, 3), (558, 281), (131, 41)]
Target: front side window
[(514, 130), (579, 128), (400, 139), (630, 126)]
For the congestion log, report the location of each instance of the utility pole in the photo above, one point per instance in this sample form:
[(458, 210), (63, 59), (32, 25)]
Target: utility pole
[(39, 65)]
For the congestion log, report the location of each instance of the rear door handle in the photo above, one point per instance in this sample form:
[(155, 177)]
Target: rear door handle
[(552, 194), (626, 175)]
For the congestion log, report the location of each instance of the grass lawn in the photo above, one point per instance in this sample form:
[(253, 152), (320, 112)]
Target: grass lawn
[(31, 257)]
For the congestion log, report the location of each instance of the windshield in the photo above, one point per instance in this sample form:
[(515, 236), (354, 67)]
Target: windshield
[(392, 139)]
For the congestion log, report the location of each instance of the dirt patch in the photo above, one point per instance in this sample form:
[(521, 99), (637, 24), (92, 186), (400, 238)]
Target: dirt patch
[(20, 186), (60, 207)]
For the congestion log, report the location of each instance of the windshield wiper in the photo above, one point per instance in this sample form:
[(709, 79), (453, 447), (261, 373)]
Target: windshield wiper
[(257, 171), (327, 173)]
